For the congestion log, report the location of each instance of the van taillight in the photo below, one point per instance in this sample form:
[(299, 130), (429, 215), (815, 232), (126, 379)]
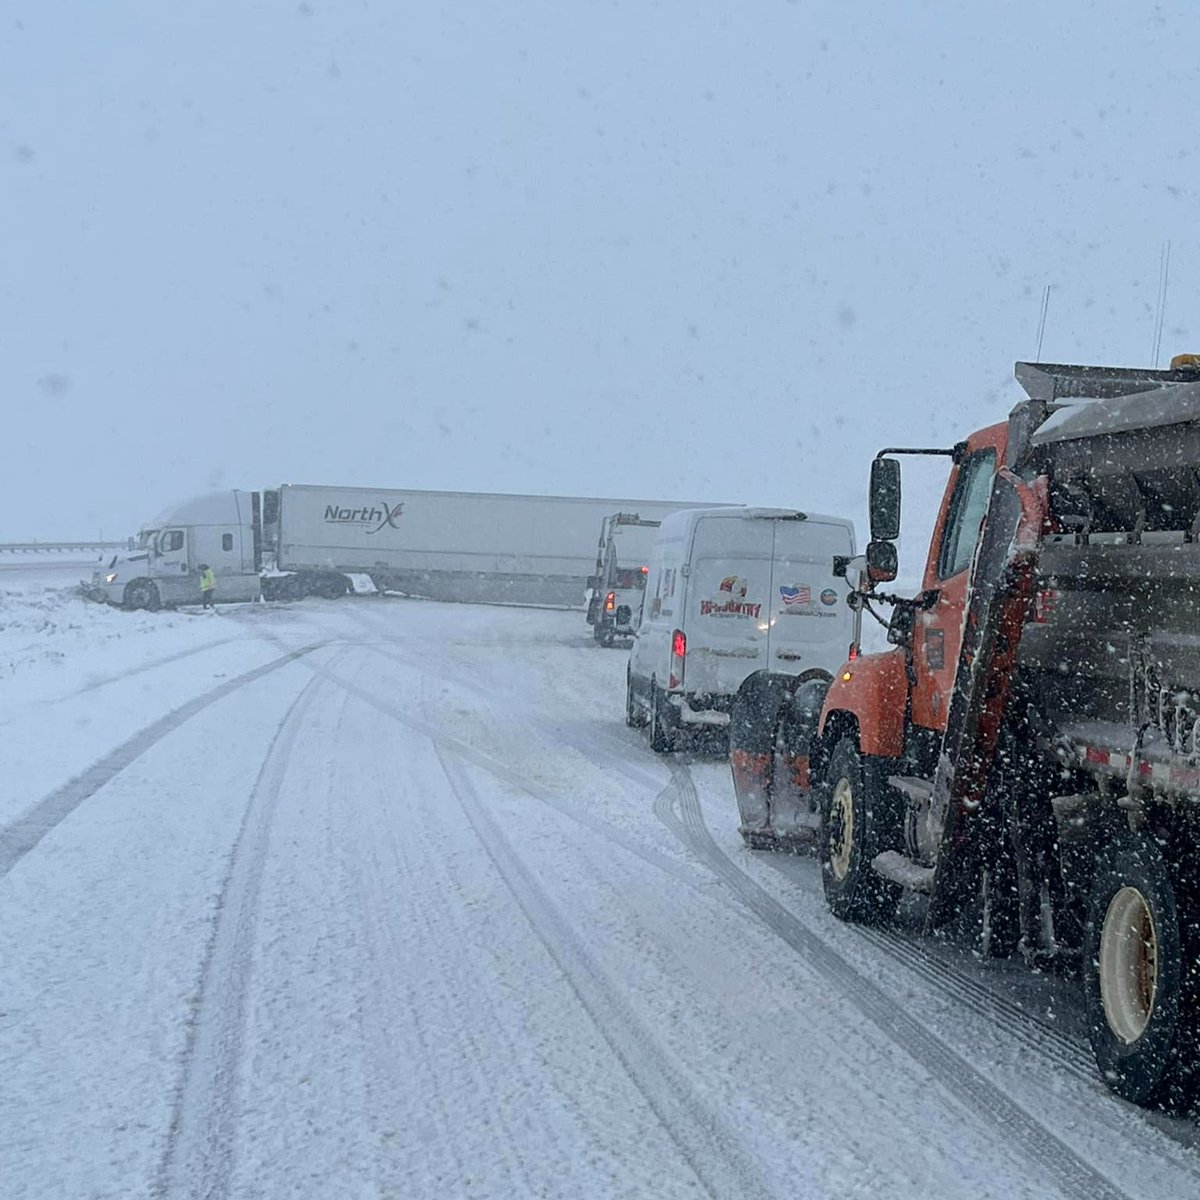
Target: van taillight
[(610, 601), (645, 570), (678, 654), (853, 651)]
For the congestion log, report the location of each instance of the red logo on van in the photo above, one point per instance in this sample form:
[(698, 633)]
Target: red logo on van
[(735, 586)]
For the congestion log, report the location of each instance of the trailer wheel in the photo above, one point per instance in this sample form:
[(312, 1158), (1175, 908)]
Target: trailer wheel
[(856, 816), (1140, 981), (635, 718), (662, 729), (143, 593)]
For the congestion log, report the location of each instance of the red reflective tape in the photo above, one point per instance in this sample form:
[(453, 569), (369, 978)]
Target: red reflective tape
[(1094, 755)]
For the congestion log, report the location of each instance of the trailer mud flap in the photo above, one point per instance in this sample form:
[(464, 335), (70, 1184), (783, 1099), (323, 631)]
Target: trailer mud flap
[(1002, 585)]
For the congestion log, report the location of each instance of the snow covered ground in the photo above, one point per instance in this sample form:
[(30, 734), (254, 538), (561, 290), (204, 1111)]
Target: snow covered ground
[(378, 898)]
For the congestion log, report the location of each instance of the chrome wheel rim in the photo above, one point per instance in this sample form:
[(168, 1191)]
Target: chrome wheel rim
[(1128, 964)]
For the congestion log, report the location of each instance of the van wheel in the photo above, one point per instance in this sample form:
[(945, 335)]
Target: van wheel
[(662, 729), (142, 593), (856, 816), (635, 718), (1140, 981)]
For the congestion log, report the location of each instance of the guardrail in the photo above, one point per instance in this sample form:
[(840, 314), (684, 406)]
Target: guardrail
[(58, 547)]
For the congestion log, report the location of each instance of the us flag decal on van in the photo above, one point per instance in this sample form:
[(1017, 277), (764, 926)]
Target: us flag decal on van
[(801, 594)]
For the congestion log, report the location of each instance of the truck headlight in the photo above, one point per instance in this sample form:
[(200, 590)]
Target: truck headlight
[(111, 577)]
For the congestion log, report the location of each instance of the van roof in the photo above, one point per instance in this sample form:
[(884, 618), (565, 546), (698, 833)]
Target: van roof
[(748, 513)]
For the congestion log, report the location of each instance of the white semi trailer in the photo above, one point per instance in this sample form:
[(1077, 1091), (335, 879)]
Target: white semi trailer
[(294, 540)]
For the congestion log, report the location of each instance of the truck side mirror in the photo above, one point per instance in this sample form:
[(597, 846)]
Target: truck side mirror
[(885, 499), (882, 561)]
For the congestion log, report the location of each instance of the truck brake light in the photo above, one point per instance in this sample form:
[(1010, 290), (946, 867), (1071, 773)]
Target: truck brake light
[(610, 601), (853, 651)]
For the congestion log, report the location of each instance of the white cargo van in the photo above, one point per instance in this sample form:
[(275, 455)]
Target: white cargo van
[(734, 593)]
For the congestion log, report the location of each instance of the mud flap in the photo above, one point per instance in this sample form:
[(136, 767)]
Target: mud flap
[(1003, 577), (751, 773)]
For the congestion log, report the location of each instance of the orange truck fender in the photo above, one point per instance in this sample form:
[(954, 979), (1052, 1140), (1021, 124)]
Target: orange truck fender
[(873, 691)]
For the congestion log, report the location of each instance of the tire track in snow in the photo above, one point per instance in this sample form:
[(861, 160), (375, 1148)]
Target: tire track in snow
[(119, 677), (197, 1161), (604, 747), (721, 1165), (413, 1014), (507, 774), (1073, 1176), (21, 836)]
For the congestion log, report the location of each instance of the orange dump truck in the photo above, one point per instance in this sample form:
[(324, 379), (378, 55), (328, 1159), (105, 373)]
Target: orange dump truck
[(1026, 756)]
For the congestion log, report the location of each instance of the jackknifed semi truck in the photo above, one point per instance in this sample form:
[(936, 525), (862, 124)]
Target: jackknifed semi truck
[(297, 540), (1024, 762)]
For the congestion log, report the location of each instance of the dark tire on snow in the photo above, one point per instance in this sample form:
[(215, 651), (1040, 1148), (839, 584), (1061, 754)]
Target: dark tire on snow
[(858, 820), (142, 593), (1141, 978), (662, 729)]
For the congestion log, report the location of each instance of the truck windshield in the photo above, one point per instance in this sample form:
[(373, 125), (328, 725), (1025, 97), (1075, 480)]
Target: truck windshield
[(968, 506)]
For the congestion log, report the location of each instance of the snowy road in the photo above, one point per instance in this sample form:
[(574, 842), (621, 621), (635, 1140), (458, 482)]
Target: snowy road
[(381, 899)]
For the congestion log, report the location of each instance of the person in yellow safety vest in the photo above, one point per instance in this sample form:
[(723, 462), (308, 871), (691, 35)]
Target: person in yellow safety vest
[(208, 585)]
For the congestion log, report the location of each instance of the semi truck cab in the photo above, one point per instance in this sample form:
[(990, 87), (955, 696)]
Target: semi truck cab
[(164, 567)]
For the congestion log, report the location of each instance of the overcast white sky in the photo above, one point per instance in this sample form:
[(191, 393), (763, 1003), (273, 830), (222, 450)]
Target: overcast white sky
[(707, 250)]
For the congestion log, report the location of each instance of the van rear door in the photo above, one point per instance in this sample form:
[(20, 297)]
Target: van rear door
[(810, 623), (727, 602)]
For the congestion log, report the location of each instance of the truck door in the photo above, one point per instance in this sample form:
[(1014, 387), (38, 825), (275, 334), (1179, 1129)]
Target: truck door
[(172, 559), (937, 632), (728, 606), (810, 623)]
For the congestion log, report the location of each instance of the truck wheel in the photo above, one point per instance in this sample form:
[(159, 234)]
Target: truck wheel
[(662, 730), (856, 814), (635, 718), (1140, 982), (603, 634), (142, 593)]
